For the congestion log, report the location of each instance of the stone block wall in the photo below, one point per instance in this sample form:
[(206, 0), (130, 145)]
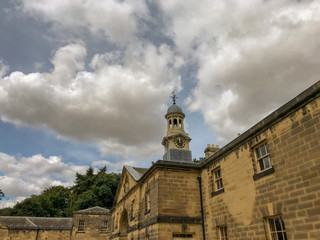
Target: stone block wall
[(290, 189), (92, 227)]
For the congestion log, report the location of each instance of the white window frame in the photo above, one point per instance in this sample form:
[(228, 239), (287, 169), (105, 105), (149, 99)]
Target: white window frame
[(104, 226), (274, 229), (262, 156), (222, 232), (217, 179), (81, 225)]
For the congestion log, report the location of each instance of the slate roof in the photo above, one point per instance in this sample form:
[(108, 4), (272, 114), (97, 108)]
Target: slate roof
[(135, 172), (93, 211), (36, 223)]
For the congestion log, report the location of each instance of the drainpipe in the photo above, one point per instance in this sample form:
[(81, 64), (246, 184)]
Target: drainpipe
[(202, 212)]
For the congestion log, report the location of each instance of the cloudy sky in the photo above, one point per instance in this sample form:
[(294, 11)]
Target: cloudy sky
[(87, 83)]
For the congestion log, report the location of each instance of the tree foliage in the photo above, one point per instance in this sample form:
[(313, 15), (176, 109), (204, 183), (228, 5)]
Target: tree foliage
[(1, 194), (198, 160), (90, 189)]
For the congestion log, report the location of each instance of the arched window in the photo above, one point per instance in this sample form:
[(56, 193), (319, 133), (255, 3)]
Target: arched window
[(179, 122), (170, 124), (175, 122), (124, 224)]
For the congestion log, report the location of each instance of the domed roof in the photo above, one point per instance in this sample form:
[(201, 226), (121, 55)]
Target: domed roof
[(174, 109)]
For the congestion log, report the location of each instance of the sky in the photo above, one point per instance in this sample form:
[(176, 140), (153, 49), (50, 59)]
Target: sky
[(87, 83)]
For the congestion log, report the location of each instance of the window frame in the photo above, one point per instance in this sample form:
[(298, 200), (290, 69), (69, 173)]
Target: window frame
[(261, 152), (81, 225), (272, 232), (104, 226), (132, 217), (216, 181), (147, 203), (222, 232)]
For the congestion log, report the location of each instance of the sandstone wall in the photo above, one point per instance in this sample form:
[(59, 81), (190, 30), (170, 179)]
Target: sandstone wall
[(291, 189)]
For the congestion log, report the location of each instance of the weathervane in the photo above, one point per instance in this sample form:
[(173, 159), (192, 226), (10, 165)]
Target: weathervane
[(174, 97)]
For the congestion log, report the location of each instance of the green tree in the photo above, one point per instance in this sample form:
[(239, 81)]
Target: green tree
[(55, 200), (92, 189), (29, 207), (198, 160), (1, 194)]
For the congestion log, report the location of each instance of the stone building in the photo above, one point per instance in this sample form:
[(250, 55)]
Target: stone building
[(265, 184), (93, 223)]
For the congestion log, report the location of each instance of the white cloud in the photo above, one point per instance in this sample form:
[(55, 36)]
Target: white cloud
[(116, 20), (114, 104), (3, 68), (23, 176), (253, 56)]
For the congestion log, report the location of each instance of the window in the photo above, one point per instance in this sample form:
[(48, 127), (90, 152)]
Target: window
[(147, 201), (222, 232), (262, 157), (175, 122), (276, 228), (217, 180), (104, 226), (182, 235), (126, 185), (131, 210), (81, 226)]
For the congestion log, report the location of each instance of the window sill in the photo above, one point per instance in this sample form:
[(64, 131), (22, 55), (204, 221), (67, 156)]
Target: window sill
[(81, 232), (217, 192), (146, 212), (264, 173)]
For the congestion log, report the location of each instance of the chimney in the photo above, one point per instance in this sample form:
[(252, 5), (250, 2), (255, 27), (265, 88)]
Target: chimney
[(211, 149)]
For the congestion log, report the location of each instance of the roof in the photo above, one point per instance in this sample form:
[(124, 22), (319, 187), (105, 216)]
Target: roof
[(94, 211), (174, 109), (36, 223), (135, 172)]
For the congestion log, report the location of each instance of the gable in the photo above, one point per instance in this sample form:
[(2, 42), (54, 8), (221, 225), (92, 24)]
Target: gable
[(126, 183)]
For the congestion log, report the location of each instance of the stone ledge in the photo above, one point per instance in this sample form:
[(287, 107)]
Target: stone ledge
[(217, 192), (264, 173)]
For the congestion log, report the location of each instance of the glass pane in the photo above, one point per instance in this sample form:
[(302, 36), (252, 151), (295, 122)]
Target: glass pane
[(258, 153), (280, 237), (285, 236), (263, 151), (267, 149), (278, 224), (267, 162), (271, 224), (283, 227), (261, 165)]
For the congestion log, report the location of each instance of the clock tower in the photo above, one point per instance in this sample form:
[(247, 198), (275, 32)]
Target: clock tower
[(176, 142)]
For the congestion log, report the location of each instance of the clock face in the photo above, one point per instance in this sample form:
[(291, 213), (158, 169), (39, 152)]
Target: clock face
[(179, 142)]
